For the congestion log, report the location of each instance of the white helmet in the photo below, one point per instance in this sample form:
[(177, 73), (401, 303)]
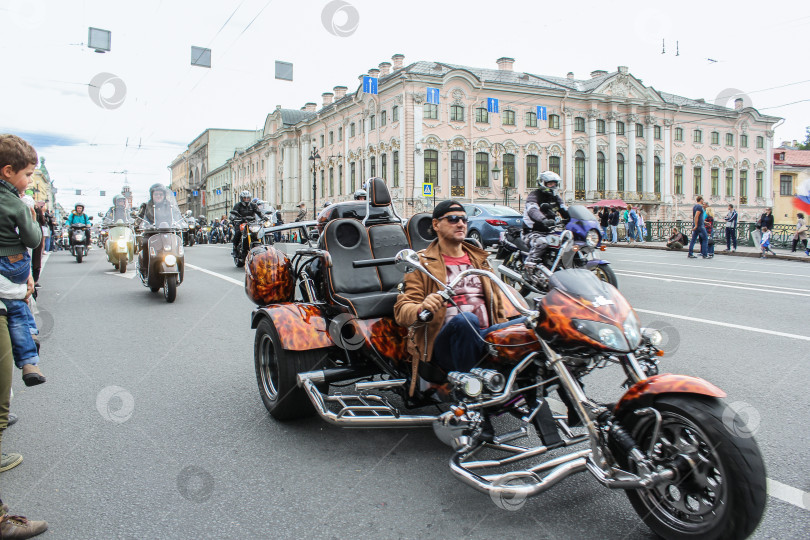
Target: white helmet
[(549, 177)]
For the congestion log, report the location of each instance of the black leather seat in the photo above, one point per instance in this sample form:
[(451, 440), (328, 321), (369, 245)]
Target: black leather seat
[(418, 229), (387, 238)]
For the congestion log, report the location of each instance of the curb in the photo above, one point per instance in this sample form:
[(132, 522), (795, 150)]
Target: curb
[(753, 254)]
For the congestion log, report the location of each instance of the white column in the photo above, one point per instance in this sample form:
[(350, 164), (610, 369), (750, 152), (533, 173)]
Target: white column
[(590, 178), (347, 172), (568, 171), (630, 159), (768, 188), (666, 167), (649, 174), (272, 181), (613, 178)]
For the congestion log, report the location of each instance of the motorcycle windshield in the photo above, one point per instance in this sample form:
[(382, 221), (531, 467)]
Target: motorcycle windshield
[(162, 211), (581, 213), (591, 293), (118, 215)]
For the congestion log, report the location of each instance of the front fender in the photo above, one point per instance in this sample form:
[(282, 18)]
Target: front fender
[(642, 393), (595, 262), (301, 327)]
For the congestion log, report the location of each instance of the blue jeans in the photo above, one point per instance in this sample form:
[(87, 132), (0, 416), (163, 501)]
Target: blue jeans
[(631, 231), (46, 244), (459, 345), (21, 323), (614, 232), (700, 232)]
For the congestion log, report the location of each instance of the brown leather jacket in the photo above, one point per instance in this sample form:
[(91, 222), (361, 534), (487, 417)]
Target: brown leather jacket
[(418, 286)]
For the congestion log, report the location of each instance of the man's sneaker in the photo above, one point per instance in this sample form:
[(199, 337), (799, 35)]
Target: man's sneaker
[(18, 527), (691, 257), (9, 461), (12, 419)]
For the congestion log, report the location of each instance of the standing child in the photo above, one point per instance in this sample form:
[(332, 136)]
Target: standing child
[(18, 231), (765, 243)]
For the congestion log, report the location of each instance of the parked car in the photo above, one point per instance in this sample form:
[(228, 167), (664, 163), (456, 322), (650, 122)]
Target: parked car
[(488, 220)]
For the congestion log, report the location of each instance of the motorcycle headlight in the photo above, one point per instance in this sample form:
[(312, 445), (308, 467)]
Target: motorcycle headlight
[(254, 228), (122, 243), (632, 331), (606, 334), (592, 238), (471, 385), (652, 336), (170, 260)]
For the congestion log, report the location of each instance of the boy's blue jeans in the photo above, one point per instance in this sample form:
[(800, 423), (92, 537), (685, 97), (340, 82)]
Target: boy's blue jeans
[(21, 324)]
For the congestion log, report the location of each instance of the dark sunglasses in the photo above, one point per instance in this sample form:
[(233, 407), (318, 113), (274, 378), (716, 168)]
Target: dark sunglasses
[(454, 219)]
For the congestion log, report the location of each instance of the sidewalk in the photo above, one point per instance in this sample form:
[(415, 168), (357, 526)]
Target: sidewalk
[(742, 251)]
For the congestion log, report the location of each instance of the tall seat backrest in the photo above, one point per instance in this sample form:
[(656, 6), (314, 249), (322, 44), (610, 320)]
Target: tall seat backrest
[(386, 241), (419, 230), (346, 241)]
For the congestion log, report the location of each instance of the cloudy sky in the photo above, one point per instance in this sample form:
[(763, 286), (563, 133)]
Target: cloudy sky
[(755, 47)]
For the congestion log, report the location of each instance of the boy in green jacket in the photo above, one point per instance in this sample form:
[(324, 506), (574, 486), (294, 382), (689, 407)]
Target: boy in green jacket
[(18, 231)]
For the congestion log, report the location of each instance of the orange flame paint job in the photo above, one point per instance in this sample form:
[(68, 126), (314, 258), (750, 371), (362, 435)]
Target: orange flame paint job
[(268, 276), (667, 383), (514, 342), (387, 337), (301, 327)]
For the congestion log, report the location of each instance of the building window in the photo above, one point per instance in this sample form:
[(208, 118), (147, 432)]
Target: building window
[(331, 181), (715, 138), (531, 119), (340, 179), (600, 171), (373, 122), (743, 186), (579, 124), (508, 118), (482, 169), (457, 167), (554, 164), (351, 130), (600, 126), (743, 141), (715, 181), (373, 162), (639, 174), (456, 113), (729, 139), (785, 185), (620, 171), (579, 173), (729, 182), (481, 115), (697, 136), (431, 111), (760, 187), (340, 134), (431, 166), (639, 131), (657, 133), (383, 118), (321, 141), (760, 143), (384, 166), (509, 170), (395, 164), (656, 175), (531, 172), (679, 134), (395, 113), (553, 121), (678, 179), (323, 183), (331, 137), (352, 174), (697, 177), (619, 128)]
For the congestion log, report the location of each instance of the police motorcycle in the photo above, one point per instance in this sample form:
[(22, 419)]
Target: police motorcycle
[(664, 440), (574, 243), (190, 232), (161, 260), (120, 246)]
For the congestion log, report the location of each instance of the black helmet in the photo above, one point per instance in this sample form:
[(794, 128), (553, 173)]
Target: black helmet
[(327, 203), (157, 187)]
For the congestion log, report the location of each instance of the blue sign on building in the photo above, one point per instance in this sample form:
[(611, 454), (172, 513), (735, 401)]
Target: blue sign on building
[(433, 95), (542, 113), (219, 191), (195, 192), (492, 105), (175, 193), (369, 84)]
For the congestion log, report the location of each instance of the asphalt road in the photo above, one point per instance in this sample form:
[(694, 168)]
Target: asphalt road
[(151, 426)]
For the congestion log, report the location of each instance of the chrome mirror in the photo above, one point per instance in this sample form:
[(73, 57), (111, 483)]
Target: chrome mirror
[(407, 261)]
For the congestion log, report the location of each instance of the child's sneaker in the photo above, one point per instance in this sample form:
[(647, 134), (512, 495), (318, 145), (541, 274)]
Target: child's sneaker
[(32, 376)]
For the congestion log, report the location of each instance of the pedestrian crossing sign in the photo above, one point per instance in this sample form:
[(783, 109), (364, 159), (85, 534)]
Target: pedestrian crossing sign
[(427, 190)]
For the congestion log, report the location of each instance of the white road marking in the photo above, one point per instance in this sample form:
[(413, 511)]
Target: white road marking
[(220, 276), (696, 280), (710, 266), (129, 274), (692, 282), (725, 324), (789, 494)]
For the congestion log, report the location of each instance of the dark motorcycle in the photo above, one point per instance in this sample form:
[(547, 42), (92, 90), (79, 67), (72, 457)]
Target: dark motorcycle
[(190, 233), (572, 247), (161, 261), (664, 440), (78, 241), (252, 236)]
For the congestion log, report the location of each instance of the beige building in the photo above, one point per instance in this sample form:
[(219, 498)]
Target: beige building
[(179, 174), (791, 167)]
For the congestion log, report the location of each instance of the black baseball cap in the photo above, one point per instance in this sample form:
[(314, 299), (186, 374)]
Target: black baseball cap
[(447, 206)]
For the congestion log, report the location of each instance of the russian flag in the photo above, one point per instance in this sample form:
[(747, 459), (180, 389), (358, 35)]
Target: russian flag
[(802, 198)]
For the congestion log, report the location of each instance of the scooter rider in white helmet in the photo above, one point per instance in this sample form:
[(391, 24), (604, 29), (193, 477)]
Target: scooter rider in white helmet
[(539, 218)]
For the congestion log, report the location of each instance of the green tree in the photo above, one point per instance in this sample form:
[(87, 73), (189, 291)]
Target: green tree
[(806, 144)]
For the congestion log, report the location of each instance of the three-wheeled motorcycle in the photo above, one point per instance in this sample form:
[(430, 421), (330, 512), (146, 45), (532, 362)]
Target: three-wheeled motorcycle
[(161, 261), (664, 440), (119, 224)]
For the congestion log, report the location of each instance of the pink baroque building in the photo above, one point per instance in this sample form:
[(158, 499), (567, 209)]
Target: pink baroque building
[(608, 136)]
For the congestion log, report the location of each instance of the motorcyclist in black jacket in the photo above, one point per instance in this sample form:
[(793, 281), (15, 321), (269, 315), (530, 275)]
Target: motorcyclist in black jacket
[(244, 210), (539, 218)]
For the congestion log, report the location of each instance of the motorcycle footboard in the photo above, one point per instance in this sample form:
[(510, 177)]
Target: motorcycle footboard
[(360, 410)]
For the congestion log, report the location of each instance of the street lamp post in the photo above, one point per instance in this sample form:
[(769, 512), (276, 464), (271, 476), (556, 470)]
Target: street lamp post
[(313, 158)]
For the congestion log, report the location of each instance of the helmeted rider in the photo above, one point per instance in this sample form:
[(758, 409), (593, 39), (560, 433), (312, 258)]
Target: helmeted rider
[(542, 206), (78, 216), (360, 195), (118, 211), (244, 209), (327, 203), (158, 209)]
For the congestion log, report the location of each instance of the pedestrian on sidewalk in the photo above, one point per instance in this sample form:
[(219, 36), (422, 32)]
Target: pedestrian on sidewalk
[(676, 240), (766, 219), (765, 243), (632, 220), (641, 226), (731, 228), (614, 224), (708, 222), (800, 235), (604, 218), (698, 230)]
